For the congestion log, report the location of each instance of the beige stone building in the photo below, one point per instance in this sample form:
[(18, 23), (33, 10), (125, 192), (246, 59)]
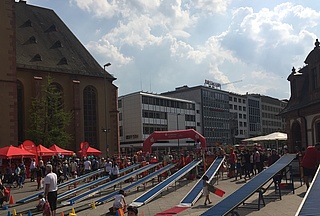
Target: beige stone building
[(36, 43), (302, 113)]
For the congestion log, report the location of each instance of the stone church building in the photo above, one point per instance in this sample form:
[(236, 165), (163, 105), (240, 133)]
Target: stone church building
[(35, 44), (302, 113)]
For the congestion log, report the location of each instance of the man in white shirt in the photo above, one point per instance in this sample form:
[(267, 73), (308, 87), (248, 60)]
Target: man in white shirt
[(73, 167), (87, 166), (51, 188), (114, 173), (108, 166), (33, 169)]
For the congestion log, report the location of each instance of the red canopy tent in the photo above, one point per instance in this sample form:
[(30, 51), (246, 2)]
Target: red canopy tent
[(43, 151), (9, 152), (91, 151), (61, 151)]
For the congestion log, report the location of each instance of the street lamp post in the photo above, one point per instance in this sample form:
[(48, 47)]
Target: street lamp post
[(178, 134), (105, 105)]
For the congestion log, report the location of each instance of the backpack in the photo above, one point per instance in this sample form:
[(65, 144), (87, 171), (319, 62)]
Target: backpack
[(22, 169)]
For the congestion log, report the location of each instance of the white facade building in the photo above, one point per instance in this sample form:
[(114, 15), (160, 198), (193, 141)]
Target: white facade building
[(142, 113)]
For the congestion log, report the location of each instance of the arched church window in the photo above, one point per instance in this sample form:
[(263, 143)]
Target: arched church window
[(90, 115)]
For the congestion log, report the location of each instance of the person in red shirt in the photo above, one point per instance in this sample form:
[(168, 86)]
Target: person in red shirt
[(310, 163), (188, 159), (232, 162)]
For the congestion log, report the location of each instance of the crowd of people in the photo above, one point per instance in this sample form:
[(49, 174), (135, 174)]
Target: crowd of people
[(239, 163)]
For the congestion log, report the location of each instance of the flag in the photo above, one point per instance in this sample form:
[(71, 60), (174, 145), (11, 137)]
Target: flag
[(119, 212), (216, 190), (84, 147)]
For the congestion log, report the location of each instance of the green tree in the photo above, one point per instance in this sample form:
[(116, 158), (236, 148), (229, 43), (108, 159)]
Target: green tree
[(48, 118)]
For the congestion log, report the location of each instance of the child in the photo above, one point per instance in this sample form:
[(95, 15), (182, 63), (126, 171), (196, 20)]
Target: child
[(205, 181), (119, 201), (44, 206)]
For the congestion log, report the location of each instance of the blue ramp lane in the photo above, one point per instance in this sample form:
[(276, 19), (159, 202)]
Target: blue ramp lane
[(153, 192), (235, 199), (194, 194), (93, 191), (92, 183), (137, 183), (35, 196), (310, 203)]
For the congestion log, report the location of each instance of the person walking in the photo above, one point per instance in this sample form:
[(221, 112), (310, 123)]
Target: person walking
[(310, 163), (108, 167), (39, 175), (114, 173), (51, 188), (33, 170), (206, 192)]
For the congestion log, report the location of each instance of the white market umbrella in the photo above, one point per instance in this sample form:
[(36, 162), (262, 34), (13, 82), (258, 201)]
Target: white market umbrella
[(275, 136)]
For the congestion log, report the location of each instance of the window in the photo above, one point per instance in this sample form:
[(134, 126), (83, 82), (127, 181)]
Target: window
[(239, 100), (244, 109), (230, 98), (150, 128), (244, 124), (235, 107), (240, 123), (243, 101), (190, 118), (244, 116), (314, 75), (240, 116), (230, 106), (235, 99), (240, 108), (121, 131), (90, 115)]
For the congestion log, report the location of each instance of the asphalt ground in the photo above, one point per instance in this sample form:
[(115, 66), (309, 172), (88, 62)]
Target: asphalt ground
[(169, 198)]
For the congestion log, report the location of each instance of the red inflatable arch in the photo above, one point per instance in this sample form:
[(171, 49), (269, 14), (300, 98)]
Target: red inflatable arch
[(168, 135)]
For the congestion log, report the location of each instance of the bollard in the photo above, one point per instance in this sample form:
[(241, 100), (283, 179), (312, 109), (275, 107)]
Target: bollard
[(73, 213)]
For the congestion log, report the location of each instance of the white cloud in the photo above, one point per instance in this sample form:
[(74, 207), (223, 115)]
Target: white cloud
[(108, 51), (166, 40), (212, 6), (98, 8)]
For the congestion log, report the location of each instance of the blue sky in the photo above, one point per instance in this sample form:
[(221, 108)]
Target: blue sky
[(158, 45)]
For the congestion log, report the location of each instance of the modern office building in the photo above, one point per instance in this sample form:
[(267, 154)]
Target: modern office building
[(257, 115), (238, 107), (271, 121), (228, 117), (141, 113), (214, 111)]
